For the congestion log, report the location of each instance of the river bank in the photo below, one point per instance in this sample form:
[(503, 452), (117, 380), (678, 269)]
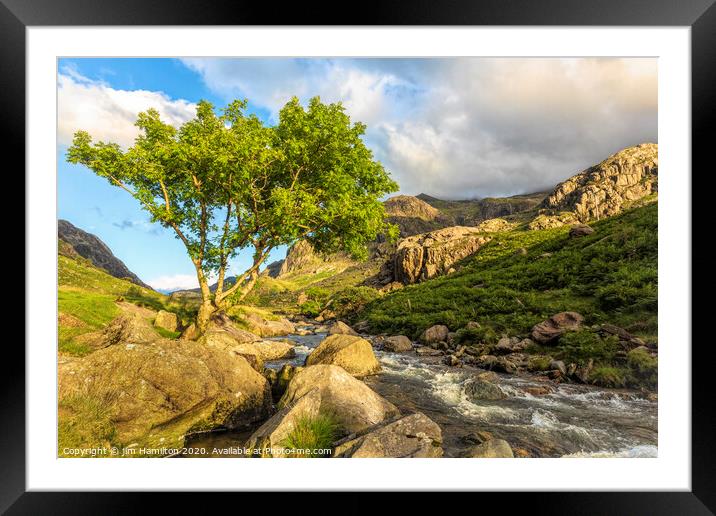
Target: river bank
[(537, 418)]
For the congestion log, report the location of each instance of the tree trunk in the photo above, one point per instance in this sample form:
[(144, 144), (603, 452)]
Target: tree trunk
[(206, 310)]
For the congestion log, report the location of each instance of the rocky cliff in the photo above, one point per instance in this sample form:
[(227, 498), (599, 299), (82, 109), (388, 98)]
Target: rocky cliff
[(425, 256), (73, 240), (414, 216), (607, 188)]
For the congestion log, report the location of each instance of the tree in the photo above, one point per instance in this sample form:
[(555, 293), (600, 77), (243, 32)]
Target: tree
[(225, 183)]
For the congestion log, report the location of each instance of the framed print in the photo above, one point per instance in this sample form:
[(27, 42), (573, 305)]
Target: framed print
[(435, 245)]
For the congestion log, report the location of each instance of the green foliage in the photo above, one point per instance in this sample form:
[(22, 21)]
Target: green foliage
[(481, 335), (167, 334), (310, 308), (227, 182), (85, 421), (607, 376), (312, 434), (644, 367), (608, 276), (580, 346), (351, 301), (318, 294), (540, 362)]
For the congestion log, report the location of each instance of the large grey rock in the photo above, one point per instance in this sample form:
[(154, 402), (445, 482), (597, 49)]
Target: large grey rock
[(415, 435)]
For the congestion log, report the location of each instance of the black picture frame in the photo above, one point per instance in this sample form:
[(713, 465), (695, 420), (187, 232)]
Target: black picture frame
[(700, 15)]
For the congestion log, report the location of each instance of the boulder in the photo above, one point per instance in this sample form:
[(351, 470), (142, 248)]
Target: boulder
[(352, 353), (397, 344), (583, 372), (155, 393), (511, 345), (354, 405), (493, 448), (326, 315), (580, 230), (340, 328), (167, 320), (267, 327), (415, 435), (437, 333), (275, 349), (130, 328), (549, 330), (427, 255), (482, 388)]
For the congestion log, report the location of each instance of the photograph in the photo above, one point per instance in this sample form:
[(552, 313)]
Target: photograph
[(357, 257)]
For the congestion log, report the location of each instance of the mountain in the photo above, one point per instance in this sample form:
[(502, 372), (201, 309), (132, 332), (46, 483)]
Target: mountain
[(607, 188), (73, 241), (471, 212)]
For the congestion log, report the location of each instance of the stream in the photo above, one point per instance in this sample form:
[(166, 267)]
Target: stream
[(570, 421)]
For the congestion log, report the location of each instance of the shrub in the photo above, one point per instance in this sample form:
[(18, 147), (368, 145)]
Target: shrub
[(318, 294), (644, 367), (539, 363), (481, 335), (352, 300), (606, 376), (312, 434), (310, 308), (579, 346)]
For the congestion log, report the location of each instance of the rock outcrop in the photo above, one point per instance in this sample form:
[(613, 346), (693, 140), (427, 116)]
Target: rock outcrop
[(92, 248), (157, 392), (414, 216), (352, 353), (607, 188), (427, 255)]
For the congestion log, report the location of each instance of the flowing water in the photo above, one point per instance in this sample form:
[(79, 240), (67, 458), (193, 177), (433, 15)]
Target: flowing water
[(571, 420)]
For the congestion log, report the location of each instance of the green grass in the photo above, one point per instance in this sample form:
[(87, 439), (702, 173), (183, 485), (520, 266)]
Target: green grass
[(92, 309), (167, 334), (609, 277), (85, 421), (311, 434), (89, 295)]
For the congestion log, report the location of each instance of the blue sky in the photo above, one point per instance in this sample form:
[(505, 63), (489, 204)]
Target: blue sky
[(452, 128)]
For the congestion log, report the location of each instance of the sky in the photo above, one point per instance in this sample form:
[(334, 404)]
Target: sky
[(453, 128)]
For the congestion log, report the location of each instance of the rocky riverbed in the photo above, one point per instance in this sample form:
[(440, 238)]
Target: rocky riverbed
[(538, 418)]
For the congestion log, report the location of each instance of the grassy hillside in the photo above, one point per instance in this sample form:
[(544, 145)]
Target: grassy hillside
[(87, 298), (609, 276)]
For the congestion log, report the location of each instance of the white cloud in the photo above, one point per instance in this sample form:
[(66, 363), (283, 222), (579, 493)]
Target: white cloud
[(109, 114), (466, 127), (174, 282)]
